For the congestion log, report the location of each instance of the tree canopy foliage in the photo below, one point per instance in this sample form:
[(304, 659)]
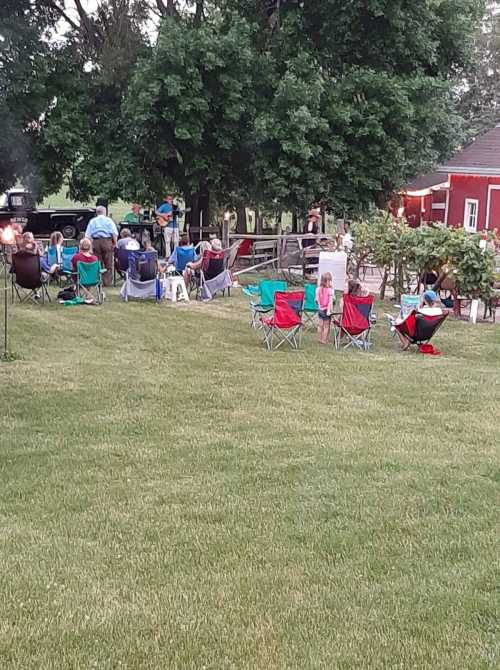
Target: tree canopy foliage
[(238, 101)]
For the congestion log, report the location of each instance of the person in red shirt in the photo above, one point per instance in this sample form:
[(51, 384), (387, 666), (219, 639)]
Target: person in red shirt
[(85, 255)]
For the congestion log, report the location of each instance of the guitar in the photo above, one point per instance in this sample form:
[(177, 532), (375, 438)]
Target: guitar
[(164, 219)]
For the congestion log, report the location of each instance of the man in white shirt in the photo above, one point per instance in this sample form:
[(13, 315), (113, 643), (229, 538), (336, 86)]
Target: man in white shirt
[(429, 304)]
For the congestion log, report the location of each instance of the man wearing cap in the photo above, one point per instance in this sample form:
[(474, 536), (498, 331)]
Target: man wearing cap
[(103, 232), (429, 307)]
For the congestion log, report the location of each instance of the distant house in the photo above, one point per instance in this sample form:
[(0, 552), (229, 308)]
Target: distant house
[(464, 191)]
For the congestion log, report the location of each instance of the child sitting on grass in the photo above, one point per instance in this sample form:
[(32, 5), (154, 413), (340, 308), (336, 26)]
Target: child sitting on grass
[(325, 297)]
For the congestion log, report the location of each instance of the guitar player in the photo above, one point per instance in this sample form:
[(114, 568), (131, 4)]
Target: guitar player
[(167, 220)]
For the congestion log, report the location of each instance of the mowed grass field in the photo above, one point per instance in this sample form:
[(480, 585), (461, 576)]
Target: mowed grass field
[(174, 496)]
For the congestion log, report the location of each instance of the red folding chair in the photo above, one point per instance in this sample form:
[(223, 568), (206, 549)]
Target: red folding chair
[(355, 322), (420, 328), (286, 323)]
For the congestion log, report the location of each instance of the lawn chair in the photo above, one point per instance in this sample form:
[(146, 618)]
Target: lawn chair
[(286, 323), (89, 276), (231, 254), (54, 256), (355, 323), (120, 266), (310, 305), (420, 328), (28, 280), (408, 304), (141, 278), (184, 255), (214, 276), (67, 256), (267, 289)]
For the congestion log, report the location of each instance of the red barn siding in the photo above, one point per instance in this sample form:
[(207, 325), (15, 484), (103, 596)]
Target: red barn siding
[(413, 206), (494, 222), (468, 186)]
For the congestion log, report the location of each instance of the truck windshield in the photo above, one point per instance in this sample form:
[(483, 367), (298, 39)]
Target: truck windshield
[(17, 200)]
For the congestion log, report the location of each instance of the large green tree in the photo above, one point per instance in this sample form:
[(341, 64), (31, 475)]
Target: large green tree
[(263, 102), (479, 92), (83, 137), (26, 86)]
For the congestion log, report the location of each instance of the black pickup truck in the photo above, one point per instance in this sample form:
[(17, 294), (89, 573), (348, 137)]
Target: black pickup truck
[(18, 206)]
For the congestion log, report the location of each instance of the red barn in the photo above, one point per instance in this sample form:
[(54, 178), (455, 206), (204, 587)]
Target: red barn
[(464, 191), (424, 199)]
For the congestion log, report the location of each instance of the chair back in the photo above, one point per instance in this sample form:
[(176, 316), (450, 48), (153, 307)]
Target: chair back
[(89, 274), (268, 288), (27, 270), (409, 303), (122, 259), (67, 255), (54, 255), (142, 265), (288, 307), (213, 263), (356, 313), (310, 304), (184, 255), (421, 328), (232, 254)]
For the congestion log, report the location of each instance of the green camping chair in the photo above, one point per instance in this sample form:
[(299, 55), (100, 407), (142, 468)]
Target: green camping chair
[(310, 305), (89, 276), (267, 289)]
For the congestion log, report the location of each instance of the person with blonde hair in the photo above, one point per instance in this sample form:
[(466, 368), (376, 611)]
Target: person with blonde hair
[(325, 297), (28, 243), (85, 255)]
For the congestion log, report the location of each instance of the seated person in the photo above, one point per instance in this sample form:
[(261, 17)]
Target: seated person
[(126, 241), (355, 288), (428, 307), (85, 255), (56, 242), (134, 216), (29, 244), (212, 252), (183, 254)]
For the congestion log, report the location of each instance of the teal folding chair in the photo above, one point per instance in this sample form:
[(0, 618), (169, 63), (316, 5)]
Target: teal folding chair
[(310, 305), (267, 289), (66, 266), (89, 276)]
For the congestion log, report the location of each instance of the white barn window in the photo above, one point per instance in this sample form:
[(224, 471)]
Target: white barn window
[(470, 215)]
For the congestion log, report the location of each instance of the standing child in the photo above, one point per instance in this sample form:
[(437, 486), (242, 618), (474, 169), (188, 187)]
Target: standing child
[(325, 297)]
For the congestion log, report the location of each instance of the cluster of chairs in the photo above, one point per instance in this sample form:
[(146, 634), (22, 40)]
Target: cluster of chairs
[(139, 269), (282, 315), (30, 282)]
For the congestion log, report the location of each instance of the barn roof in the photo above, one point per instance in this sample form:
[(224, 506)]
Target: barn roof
[(425, 182), (481, 157)]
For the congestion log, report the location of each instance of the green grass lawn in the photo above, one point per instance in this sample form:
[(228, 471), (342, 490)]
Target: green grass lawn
[(174, 496)]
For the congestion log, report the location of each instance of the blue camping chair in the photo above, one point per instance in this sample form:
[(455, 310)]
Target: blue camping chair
[(183, 256), (141, 278), (53, 256), (67, 255)]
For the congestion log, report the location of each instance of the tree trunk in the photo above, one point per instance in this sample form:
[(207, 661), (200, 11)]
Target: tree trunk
[(295, 222), (241, 220), (199, 214), (383, 285)]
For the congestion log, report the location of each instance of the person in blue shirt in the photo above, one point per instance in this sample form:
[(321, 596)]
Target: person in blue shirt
[(168, 221), (103, 232)]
